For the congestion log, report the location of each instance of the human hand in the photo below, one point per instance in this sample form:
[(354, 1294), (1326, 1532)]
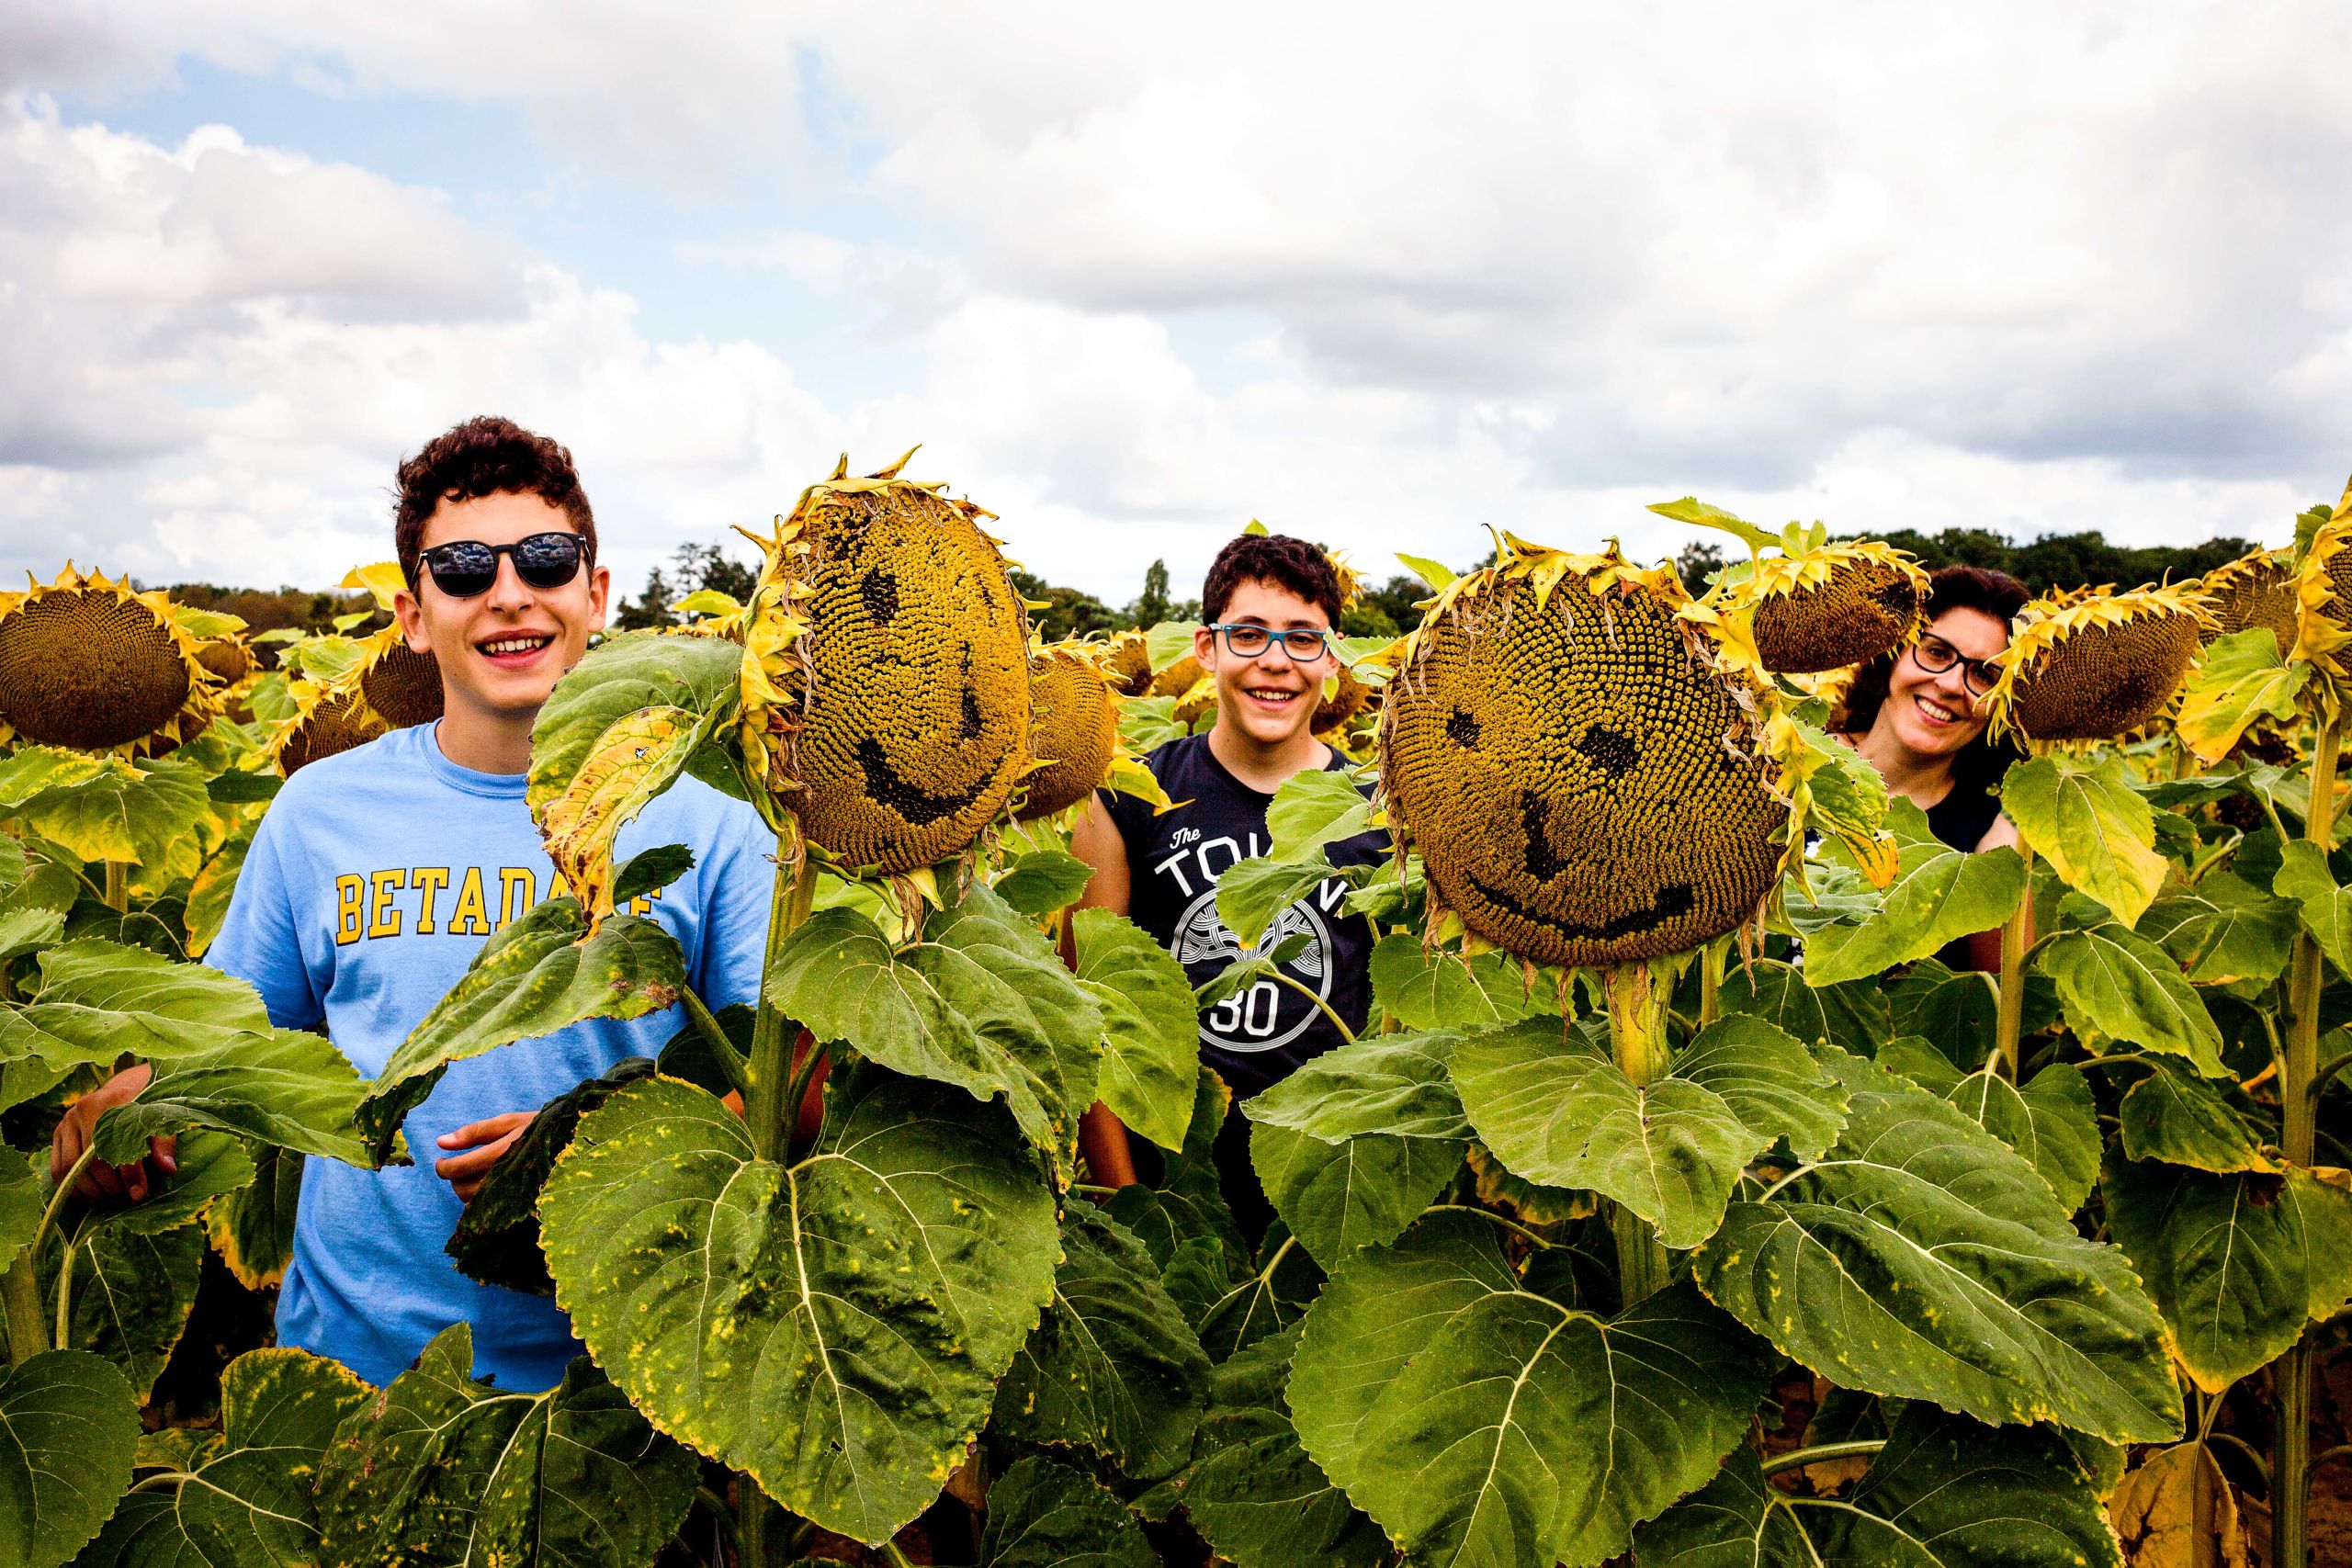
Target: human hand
[(100, 1182), (484, 1141)]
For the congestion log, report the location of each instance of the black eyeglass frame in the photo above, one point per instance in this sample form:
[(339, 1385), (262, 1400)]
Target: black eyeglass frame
[(1970, 669), (1227, 629), (441, 559)]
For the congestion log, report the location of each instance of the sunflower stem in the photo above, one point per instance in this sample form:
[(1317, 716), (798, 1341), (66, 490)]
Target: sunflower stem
[(768, 1115), (1637, 1039), (2016, 935), (118, 893), (2298, 1069), (1797, 1459), (20, 1298), (65, 1291), (1711, 982)]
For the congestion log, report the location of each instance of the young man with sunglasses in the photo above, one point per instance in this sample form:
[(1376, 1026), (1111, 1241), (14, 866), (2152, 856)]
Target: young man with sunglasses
[(378, 874), (1272, 603)]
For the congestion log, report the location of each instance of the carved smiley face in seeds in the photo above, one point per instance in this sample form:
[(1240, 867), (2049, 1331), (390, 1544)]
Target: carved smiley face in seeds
[(916, 719), (1577, 784)]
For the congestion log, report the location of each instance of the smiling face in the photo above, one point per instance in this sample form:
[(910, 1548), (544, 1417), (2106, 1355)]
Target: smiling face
[(1936, 714), (502, 651), (1270, 698)]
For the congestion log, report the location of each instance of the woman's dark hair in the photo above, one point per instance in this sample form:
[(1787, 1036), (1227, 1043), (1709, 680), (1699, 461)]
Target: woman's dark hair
[(1997, 594), (485, 456), (1277, 559)]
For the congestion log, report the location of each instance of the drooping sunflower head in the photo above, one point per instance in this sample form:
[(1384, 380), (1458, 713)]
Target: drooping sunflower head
[(886, 685), (1126, 664), (327, 720), (1806, 604), (2258, 590), (88, 664), (1583, 785), (350, 692), (400, 684), (2324, 594), (1074, 726), (2098, 667)]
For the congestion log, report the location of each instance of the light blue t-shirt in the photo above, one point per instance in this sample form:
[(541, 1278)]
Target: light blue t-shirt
[(369, 886)]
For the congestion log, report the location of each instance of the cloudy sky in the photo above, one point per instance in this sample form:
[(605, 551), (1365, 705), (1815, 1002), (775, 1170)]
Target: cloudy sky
[(1380, 274)]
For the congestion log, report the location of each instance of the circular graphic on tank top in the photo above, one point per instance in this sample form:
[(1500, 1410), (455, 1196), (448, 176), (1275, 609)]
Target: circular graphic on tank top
[(1262, 1016)]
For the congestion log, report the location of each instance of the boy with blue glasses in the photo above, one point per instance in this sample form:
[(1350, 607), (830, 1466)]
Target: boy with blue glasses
[(1272, 603)]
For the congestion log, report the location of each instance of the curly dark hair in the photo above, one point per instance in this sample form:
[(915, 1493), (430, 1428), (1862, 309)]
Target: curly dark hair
[(485, 456), (1997, 594), (1277, 559)]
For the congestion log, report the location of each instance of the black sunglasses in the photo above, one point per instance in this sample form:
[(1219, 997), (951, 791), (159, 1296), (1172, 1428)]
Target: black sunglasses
[(464, 568)]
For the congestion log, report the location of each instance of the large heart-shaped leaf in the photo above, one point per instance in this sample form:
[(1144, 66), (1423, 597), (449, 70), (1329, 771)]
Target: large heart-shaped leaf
[(2222, 929), (439, 1468), (2243, 677), (1482, 1422), (1310, 809), (279, 1086), (1939, 894), (241, 1494), (132, 1291), (980, 1000), (2325, 908), (836, 1326), (98, 1000), (1671, 1150), (212, 1167), (637, 757), (2052, 1122), (2116, 982), (2175, 1116), (2085, 819), (1113, 1366), (1043, 1515), (1946, 1492), (1394, 1084), (543, 972), (1852, 1016), (1150, 1026), (1922, 1258), (2238, 1263), (622, 676), (145, 815), (497, 1238), (1429, 989), (68, 1426), (1338, 1198), (1251, 1490), (1043, 880), (1251, 893)]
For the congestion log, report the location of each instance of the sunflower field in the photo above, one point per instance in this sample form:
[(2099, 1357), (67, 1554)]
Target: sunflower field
[(1677, 1206)]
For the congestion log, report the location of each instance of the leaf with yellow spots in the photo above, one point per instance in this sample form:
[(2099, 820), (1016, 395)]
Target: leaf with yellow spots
[(834, 1326), (1483, 1423), (635, 759), (439, 1468), (241, 1494), (543, 972), (1923, 1258)]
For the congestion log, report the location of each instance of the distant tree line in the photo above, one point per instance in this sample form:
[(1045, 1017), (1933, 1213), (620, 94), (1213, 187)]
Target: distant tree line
[(2052, 561)]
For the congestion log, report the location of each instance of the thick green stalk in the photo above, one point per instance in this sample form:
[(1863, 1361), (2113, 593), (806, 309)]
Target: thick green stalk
[(2290, 1457), (1712, 959), (769, 1118), (1637, 1039), (2016, 935), (118, 886), (20, 1299)]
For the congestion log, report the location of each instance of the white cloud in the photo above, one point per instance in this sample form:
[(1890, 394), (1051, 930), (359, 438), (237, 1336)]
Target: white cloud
[(2014, 265)]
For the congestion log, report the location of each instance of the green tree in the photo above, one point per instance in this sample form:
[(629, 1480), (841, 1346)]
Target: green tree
[(1151, 606), (651, 608)]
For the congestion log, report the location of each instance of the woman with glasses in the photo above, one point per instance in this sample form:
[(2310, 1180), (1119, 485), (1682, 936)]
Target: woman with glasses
[(1919, 716)]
